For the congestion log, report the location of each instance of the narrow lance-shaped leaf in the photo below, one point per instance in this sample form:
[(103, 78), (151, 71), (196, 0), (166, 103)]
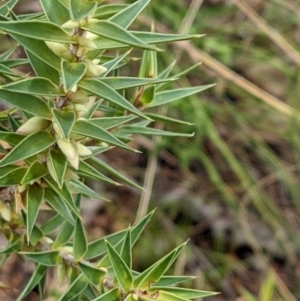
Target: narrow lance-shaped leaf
[(182, 292), (40, 50), (125, 17), (110, 122), (172, 280), (63, 193), (126, 249), (118, 83), (121, 270), (31, 145), (13, 123), (41, 68), (132, 129), (101, 164), (76, 186), (39, 30), (94, 275), (111, 295), (59, 205), (36, 171), (77, 286), (11, 138), (52, 224), (55, 11), (35, 196), (81, 9), (162, 118), (64, 235), (48, 258), (101, 89), (36, 277), (37, 86), (85, 128), (172, 95), (156, 271), (72, 73), (80, 241), (57, 162), (13, 178), (65, 121), (28, 103), (116, 33), (105, 11)]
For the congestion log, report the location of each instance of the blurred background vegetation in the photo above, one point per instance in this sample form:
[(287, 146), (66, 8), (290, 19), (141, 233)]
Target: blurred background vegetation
[(233, 188)]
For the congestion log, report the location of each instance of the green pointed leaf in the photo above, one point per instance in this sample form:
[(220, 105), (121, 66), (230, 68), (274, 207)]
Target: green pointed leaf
[(162, 118), (15, 63), (126, 16), (157, 38), (64, 235), (28, 103), (31, 145), (110, 122), (52, 224), (118, 83), (72, 73), (106, 11), (65, 121), (148, 95), (41, 68), (48, 258), (83, 127), (156, 271), (63, 193), (36, 277), (37, 86), (121, 270), (81, 9), (13, 247), (35, 196), (5, 55), (101, 164), (89, 292), (126, 249), (98, 247), (80, 242), (165, 97), (13, 178), (39, 49), (11, 138), (6, 8), (87, 170), (172, 280), (58, 163), (39, 30), (13, 123), (140, 130), (59, 205), (7, 71), (111, 31), (101, 89), (35, 171), (182, 292), (78, 187), (55, 11), (36, 234), (111, 295), (162, 296), (77, 286), (94, 275)]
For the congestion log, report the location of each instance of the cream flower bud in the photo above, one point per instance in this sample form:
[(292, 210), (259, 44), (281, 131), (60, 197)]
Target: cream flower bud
[(78, 96), (80, 109), (33, 125), (82, 41), (61, 271), (57, 129), (22, 188), (71, 24), (69, 148), (90, 35), (94, 70), (83, 150), (60, 49), (81, 51), (5, 211)]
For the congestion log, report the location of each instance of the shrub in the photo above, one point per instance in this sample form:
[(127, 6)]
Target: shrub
[(77, 105)]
